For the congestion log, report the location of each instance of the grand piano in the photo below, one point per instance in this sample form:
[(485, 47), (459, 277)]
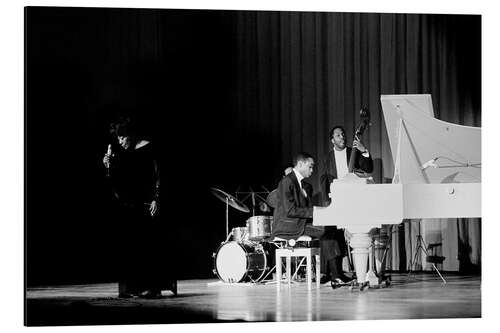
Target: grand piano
[(437, 174)]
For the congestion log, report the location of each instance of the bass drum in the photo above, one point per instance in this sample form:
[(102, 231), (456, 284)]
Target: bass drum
[(240, 262)]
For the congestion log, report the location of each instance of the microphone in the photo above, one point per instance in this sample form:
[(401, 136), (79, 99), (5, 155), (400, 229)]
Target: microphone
[(429, 163), (109, 153), (253, 203)]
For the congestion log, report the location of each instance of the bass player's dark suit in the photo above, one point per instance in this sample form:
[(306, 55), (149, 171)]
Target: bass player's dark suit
[(329, 170)]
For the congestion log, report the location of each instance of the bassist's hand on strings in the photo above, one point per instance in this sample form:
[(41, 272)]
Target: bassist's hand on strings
[(359, 146)]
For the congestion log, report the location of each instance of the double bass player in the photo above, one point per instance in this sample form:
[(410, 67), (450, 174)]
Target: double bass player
[(336, 165)]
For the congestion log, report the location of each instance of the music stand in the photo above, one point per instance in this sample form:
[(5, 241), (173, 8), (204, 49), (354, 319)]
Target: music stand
[(253, 195)]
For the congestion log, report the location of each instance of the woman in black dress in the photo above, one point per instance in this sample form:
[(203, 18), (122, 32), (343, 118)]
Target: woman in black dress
[(134, 172)]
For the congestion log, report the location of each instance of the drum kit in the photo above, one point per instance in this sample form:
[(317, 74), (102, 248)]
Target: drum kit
[(243, 256)]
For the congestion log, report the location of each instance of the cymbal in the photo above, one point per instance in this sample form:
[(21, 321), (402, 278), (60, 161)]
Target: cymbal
[(232, 201)]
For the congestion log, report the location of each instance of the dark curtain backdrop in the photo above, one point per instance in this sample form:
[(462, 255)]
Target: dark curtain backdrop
[(302, 73), (172, 71), (229, 96)]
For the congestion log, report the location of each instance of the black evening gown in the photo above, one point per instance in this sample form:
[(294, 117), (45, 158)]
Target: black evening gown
[(141, 242)]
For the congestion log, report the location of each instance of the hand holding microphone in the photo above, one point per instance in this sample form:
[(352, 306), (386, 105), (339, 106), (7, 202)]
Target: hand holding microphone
[(107, 158)]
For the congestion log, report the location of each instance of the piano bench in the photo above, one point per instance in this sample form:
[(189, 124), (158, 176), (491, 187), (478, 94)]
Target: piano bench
[(302, 241), (307, 254)]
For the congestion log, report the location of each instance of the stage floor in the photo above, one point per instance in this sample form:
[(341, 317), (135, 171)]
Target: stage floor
[(204, 301)]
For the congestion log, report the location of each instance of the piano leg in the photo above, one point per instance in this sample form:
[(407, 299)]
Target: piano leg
[(360, 242), (371, 277)]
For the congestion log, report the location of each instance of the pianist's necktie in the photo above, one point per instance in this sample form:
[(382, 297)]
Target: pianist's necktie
[(302, 188)]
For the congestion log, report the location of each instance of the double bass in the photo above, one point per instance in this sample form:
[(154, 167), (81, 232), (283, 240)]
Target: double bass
[(364, 123)]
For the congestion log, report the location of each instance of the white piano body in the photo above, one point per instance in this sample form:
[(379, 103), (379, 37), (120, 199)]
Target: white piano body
[(437, 174)]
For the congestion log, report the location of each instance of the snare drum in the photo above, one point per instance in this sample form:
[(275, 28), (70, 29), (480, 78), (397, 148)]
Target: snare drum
[(239, 262), (259, 227), (239, 234)]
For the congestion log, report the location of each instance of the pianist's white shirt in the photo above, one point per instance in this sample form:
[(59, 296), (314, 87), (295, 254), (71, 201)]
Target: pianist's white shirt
[(299, 179)]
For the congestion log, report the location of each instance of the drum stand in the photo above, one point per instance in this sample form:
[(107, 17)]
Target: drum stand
[(229, 200), (227, 220), (227, 216)]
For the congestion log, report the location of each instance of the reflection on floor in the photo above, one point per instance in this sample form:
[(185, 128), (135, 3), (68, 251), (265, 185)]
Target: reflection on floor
[(204, 301)]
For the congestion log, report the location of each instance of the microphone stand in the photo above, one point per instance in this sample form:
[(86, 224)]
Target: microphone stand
[(227, 217), (420, 247)]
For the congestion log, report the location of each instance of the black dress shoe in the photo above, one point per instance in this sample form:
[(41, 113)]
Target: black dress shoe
[(324, 279), (125, 295), (337, 281), (345, 278)]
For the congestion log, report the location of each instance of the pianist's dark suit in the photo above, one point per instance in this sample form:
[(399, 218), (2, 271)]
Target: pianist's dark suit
[(293, 209), (293, 217)]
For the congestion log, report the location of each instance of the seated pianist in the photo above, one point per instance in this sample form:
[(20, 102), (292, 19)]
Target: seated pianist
[(293, 216)]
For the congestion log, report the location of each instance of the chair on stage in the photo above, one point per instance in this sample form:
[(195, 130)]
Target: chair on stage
[(292, 248), (432, 254)]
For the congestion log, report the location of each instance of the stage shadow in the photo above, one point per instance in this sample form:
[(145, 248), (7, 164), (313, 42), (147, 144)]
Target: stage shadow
[(111, 312)]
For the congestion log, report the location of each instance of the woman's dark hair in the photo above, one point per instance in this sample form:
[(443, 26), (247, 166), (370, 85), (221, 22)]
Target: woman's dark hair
[(123, 127)]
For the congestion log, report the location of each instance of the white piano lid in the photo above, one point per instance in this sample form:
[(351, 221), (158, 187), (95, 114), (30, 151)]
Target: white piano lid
[(451, 152)]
